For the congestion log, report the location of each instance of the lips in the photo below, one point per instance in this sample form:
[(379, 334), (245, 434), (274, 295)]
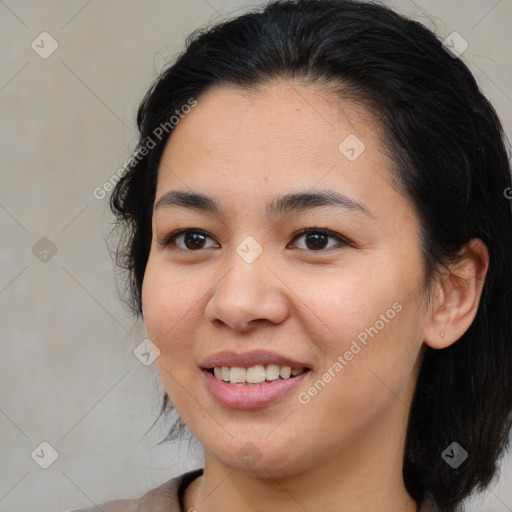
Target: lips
[(250, 395), (248, 359), (247, 396)]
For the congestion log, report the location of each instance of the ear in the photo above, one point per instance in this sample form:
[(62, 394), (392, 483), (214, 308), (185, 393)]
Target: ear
[(458, 296)]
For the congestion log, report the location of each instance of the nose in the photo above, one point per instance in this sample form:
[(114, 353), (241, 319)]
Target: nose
[(248, 294)]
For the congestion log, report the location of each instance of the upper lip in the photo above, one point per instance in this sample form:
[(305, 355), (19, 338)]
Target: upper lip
[(248, 359)]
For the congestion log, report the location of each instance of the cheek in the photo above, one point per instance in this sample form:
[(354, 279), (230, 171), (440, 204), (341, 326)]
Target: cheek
[(382, 356), (166, 303), (338, 310), (167, 306), (373, 325)]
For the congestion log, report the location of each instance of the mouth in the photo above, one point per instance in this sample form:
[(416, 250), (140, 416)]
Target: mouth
[(255, 375), (231, 387), (252, 379)]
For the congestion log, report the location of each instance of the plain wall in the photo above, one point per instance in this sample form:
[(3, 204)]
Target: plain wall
[(68, 375)]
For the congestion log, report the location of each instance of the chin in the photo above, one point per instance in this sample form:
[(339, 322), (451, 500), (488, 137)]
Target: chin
[(259, 459)]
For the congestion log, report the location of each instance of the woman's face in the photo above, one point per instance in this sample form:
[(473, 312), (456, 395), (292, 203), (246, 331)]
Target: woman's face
[(347, 305)]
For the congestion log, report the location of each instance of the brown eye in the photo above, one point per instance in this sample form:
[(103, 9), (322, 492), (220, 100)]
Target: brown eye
[(193, 240), (316, 239), (187, 239)]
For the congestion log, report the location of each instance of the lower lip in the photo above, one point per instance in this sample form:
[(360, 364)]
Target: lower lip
[(251, 396)]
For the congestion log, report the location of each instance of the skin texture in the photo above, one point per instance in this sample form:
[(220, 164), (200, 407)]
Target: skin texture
[(344, 449)]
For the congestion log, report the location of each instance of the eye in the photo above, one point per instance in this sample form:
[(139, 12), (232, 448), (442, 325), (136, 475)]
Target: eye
[(192, 239), (316, 238)]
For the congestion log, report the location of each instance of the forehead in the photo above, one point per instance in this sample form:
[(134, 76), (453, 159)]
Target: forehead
[(294, 116), (281, 136)]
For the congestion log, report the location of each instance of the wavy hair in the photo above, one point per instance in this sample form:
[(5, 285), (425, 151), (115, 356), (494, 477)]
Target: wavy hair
[(450, 160)]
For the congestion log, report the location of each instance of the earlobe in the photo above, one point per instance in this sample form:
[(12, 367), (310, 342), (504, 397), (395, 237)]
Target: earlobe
[(458, 296)]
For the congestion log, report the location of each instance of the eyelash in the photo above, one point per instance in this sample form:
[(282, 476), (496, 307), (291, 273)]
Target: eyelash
[(170, 238)]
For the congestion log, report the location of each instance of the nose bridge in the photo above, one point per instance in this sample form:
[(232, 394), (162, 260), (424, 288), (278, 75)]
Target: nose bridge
[(248, 291)]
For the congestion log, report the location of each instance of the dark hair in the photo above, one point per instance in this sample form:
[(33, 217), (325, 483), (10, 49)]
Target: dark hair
[(451, 162)]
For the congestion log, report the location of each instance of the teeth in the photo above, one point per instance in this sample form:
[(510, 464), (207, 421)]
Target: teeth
[(272, 372), (255, 374), (237, 374), (285, 372)]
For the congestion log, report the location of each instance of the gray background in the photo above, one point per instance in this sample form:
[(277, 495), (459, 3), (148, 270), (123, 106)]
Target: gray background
[(68, 373)]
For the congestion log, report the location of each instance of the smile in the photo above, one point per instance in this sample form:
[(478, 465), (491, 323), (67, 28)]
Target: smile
[(247, 395), (258, 374)]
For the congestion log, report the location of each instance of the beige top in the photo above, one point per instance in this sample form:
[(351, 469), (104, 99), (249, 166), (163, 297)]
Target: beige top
[(168, 497)]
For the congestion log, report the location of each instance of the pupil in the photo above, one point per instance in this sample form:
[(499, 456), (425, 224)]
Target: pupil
[(194, 239), (315, 238)]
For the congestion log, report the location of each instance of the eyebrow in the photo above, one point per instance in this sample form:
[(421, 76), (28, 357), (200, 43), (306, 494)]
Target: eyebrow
[(294, 202)]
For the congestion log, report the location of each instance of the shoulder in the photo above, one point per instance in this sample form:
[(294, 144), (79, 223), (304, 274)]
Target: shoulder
[(164, 498)]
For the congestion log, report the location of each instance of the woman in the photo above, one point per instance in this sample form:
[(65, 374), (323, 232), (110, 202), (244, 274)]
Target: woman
[(317, 236)]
